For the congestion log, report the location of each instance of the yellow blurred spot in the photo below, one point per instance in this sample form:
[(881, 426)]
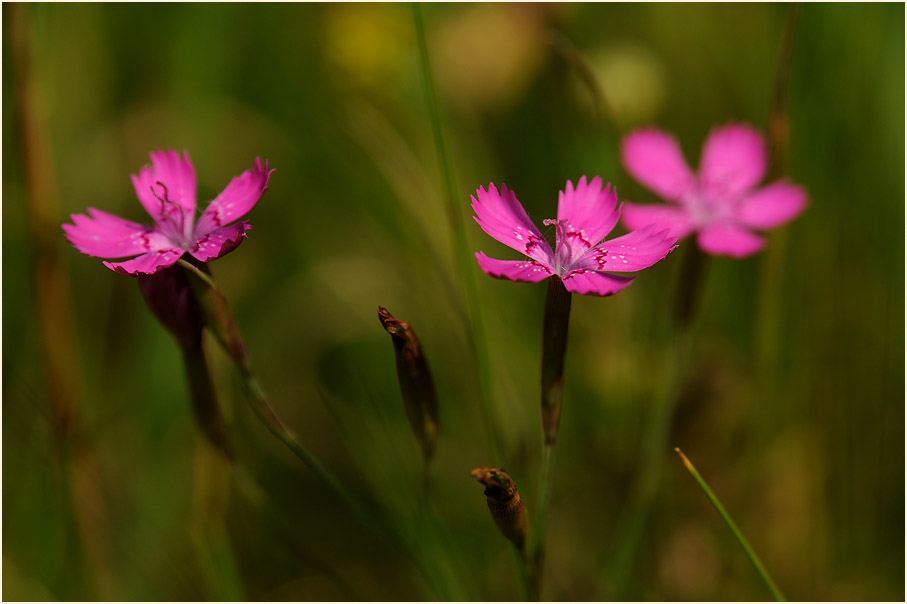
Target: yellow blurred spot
[(633, 81), (486, 54), (368, 42)]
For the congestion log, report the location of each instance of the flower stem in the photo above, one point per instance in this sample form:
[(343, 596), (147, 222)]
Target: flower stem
[(204, 400), (221, 324), (462, 256), (555, 326), (536, 554), (757, 563), (554, 348)]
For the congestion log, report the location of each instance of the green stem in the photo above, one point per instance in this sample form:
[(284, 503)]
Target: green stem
[(276, 426), (555, 327), (757, 563), (461, 253), (204, 400), (223, 327), (536, 556)]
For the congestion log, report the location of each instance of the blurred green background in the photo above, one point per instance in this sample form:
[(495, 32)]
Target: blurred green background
[(794, 407)]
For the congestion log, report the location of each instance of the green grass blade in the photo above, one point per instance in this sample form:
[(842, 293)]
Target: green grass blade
[(776, 593), (463, 258)]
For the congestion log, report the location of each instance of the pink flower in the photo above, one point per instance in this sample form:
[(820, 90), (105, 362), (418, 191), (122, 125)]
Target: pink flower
[(585, 214), (166, 189), (722, 202)]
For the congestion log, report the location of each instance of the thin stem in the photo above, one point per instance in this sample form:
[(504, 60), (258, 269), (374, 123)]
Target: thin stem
[(220, 321), (462, 256), (757, 563), (555, 327), (278, 428), (536, 555), (204, 400), (198, 273)]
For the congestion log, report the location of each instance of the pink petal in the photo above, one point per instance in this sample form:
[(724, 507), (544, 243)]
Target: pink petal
[(772, 205), (147, 264), (527, 271), (725, 239), (109, 236), (631, 252), (236, 200), (733, 159), (588, 282), (588, 211), (220, 242), (502, 216), (673, 218), (655, 159), (170, 177)]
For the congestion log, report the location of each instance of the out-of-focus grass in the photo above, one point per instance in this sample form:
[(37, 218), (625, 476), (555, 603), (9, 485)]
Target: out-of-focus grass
[(805, 446)]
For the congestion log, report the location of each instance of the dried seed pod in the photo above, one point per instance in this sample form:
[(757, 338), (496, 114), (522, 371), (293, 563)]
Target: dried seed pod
[(504, 502), (419, 397)]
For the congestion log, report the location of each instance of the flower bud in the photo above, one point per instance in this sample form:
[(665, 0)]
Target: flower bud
[(504, 502), (172, 303), (171, 300), (419, 397)]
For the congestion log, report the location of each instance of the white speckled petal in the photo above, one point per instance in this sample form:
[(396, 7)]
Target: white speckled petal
[(236, 200), (527, 271), (588, 211), (502, 216), (109, 236), (220, 242), (631, 252), (586, 282), (146, 264)]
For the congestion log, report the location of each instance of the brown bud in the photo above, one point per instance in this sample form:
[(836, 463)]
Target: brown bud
[(419, 397), (504, 502)]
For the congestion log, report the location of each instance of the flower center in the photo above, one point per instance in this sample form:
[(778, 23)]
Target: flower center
[(570, 245), (171, 217), (709, 206)]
